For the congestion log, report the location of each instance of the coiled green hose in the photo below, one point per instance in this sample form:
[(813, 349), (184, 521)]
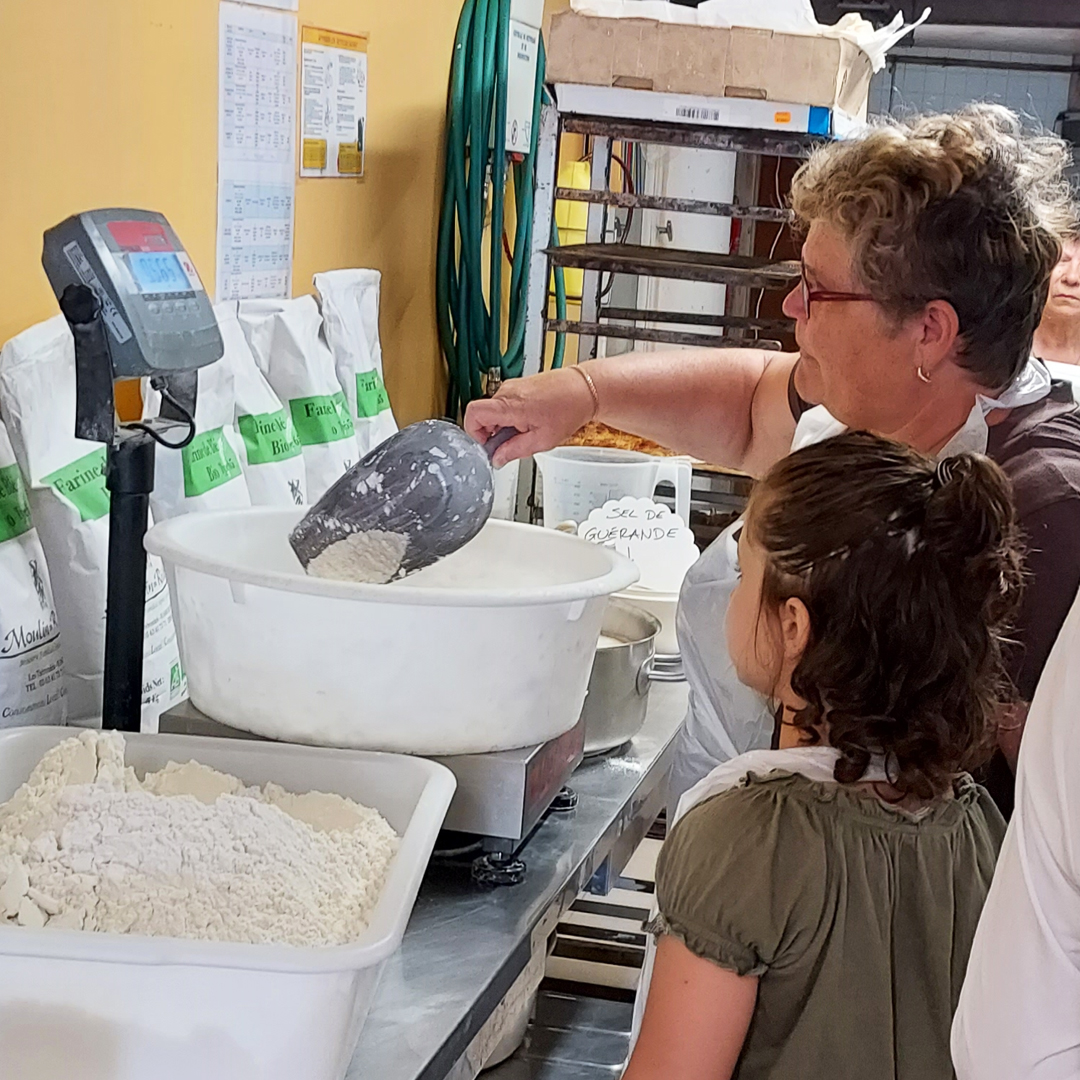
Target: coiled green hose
[(470, 323)]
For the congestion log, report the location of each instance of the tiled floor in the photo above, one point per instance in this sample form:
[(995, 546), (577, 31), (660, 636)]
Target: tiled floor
[(581, 1028)]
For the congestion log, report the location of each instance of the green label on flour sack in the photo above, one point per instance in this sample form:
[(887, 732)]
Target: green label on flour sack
[(209, 462), (82, 483), (371, 398), (14, 508), (269, 437), (321, 420)]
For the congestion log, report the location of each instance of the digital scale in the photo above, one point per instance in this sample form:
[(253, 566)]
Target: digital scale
[(137, 309), (501, 797)]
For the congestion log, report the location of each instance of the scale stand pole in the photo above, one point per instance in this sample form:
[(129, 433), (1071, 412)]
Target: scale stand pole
[(129, 479)]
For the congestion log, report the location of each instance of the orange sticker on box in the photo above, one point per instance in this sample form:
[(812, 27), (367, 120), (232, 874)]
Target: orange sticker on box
[(782, 118)]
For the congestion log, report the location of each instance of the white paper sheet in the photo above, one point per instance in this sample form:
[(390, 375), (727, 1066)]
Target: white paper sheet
[(256, 152), (333, 102)]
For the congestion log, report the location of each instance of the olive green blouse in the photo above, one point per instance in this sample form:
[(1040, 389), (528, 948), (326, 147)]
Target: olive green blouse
[(857, 917)]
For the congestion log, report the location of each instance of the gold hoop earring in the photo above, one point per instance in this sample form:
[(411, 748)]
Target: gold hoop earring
[(921, 375)]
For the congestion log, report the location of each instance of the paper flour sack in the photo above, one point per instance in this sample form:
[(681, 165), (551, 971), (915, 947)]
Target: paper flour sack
[(287, 341), (31, 663), (205, 474), (70, 506), (350, 311), (270, 451)]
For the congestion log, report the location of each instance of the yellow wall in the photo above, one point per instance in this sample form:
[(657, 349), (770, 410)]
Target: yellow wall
[(114, 103)]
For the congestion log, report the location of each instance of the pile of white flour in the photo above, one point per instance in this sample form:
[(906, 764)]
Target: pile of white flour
[(372, 556), (187, 852)]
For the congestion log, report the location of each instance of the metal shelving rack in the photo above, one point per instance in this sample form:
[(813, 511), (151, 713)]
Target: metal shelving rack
[(718, 493), (740, 271)]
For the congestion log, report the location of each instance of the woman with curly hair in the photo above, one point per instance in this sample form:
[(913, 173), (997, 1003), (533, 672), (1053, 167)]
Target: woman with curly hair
[(927, 254), (818, 901)]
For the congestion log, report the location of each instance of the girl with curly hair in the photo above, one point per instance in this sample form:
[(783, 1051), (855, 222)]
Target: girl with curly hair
[(818, 900)]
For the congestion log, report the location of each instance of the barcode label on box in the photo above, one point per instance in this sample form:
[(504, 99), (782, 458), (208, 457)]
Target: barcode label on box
[(697, 112)]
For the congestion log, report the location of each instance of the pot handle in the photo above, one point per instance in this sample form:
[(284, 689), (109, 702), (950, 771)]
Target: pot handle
[(644, 677)]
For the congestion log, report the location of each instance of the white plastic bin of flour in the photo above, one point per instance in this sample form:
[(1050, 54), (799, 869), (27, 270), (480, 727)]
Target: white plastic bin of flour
[(578, 479), (76, 1005), (488, 649)]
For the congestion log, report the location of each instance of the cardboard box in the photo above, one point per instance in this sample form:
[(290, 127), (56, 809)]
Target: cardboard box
[(674, 58)]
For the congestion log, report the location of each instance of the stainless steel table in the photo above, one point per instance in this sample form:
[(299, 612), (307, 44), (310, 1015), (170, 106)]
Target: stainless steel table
[(469, 957)]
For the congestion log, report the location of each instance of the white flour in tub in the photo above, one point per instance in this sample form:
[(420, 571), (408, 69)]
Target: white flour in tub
[(373, 556), (188, 852)]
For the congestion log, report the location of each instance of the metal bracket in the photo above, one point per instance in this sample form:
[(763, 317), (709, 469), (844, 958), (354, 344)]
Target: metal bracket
[(495, 869), (95, 408), (565, 801), (543, 214)]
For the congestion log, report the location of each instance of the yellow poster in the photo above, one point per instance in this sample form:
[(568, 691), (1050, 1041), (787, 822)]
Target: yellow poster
[(333, 102), (314, 154)]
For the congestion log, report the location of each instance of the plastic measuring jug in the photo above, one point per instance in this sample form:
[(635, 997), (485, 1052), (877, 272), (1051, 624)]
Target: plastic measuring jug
[(578, 479)]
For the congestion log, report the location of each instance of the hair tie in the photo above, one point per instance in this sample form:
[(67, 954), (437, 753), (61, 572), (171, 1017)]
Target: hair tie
[(944, 473)]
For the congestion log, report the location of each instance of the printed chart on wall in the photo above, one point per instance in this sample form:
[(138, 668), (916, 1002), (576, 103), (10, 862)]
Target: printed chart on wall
[(256, 152), (334, 102)]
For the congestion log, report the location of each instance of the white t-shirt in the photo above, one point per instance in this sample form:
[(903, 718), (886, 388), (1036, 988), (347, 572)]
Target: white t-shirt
[(1069, 373), (1019, 1011)]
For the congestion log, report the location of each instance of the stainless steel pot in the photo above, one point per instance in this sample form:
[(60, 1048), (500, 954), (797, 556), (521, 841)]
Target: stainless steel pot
[(618, 696)]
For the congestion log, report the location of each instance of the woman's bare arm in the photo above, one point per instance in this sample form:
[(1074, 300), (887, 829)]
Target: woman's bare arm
[(726, 406)]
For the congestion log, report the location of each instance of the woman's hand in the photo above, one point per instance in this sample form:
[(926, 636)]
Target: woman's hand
[(696, 1018), (547, 409)]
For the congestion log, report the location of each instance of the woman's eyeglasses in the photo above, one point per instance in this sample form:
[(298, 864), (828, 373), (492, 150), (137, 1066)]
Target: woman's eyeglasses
[(823, 295)]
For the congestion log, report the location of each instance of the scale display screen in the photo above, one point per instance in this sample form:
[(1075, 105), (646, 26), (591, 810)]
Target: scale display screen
[(158, 272)]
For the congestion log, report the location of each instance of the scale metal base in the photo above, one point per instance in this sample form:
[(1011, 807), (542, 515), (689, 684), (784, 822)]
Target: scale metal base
[(500, 797)]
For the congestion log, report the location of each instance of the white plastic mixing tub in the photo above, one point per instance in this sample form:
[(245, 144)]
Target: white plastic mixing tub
[(75, 1004), (489, 649)]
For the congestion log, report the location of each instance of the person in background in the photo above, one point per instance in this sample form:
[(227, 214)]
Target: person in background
[(1057, 337), (817, 902), (1019, 1012), (927, 255)]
